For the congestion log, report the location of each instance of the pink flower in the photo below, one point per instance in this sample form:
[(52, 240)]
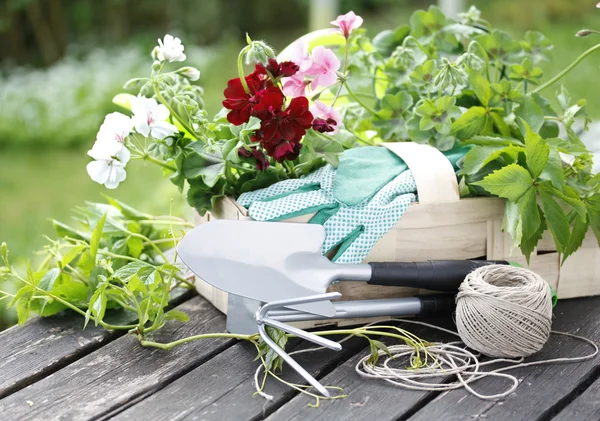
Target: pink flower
[(324, 67), (321, 110), (299, 55), (294, 86), (598, 5), (347, 23)]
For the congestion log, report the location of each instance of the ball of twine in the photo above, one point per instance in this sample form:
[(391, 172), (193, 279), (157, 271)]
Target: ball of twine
[(504, 311)]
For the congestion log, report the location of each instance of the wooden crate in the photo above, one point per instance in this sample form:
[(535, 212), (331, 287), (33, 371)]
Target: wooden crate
[(443, 226)]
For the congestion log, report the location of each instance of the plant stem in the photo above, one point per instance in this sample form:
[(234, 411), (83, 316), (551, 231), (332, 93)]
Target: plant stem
[(191, 131), (163, 164), (169, 345), (240, 64), (290, 167), (354, 97), (567, 69)]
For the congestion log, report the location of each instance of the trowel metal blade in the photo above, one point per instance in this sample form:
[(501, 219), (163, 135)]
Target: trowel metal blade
[(252, 259)]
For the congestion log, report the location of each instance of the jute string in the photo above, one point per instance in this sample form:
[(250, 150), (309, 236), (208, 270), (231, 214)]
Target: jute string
[(502, 311)]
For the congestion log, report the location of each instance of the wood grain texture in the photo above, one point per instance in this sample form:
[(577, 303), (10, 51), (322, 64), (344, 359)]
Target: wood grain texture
[(44, 345), (542, 388), (227, 392), (586, 407), (119, 373)]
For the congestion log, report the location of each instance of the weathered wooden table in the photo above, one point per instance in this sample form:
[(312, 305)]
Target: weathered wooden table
[(51, 369)]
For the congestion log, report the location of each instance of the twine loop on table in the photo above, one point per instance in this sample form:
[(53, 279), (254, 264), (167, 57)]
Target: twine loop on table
[(504, 311)]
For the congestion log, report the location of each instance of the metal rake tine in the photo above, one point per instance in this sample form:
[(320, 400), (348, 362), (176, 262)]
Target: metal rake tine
[(303, 334), (291, 362)]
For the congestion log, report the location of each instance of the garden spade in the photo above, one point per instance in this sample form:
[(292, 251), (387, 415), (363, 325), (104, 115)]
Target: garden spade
[(273, 261)]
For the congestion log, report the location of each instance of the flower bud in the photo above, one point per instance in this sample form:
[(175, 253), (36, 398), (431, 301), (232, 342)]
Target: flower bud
[(156, 66), (583, 33), (191, 73), (259, 52), (154, 53), (133, 83)]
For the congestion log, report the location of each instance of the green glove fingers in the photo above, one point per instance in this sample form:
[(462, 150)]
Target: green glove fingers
[(291, 198), (363, 172), (356, 229)]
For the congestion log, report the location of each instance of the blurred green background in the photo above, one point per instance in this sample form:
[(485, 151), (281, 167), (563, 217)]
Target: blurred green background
[(62, 61)]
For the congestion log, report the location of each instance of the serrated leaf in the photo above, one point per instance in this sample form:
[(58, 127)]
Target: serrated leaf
[(134, 268), (272, 360), (471, 123), (530, 215), (478, 157), (580, 228), (557, 221), (528, 246), (203, 163), (500, 124), (593, 208), (135, 246), (177, 315), (492, 141), (531, 113), (47, 281), (97, 236), (553, 171), (536, 152), (481, 87), (511, 222), (71, 254), (510, 182)]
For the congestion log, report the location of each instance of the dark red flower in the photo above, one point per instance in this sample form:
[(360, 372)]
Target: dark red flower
[(262, 163), (283, 69), (324, 126), (286, 151), (240, 102), (289, 125)]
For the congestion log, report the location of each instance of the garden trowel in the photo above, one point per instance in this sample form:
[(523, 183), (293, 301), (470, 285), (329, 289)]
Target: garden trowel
[(272, 261)]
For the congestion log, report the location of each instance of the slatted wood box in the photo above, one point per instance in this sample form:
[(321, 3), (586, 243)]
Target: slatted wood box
[(443, 226)]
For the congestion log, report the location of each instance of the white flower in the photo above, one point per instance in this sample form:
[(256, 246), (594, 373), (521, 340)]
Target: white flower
[(109, 165), (116, 126), (149, 118), (191, 73), (170, 49)]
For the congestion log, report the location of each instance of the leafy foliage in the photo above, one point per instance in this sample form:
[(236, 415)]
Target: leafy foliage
[(113, 258)]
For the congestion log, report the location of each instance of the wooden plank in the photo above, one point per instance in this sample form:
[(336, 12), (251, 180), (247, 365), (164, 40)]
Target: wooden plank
[(44, 345), (366, 399), (120, 372), (586, 407), (542, 389), (226, 391)]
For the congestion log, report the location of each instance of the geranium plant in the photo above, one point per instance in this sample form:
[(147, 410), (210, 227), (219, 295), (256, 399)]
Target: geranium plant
[(436, 80)]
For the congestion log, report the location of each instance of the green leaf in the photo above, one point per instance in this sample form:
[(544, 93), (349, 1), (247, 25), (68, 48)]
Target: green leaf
[(127, 210), (482, 88), (424, 73), (528, 246), (177, 315), (501, 46), (492, 141), (424, 23), (97, 236), (557, 221), (386, 41), (593, 208), (512, 223), (530, 215), (272, 360), (203, 163), (510, 182), (97, 305), (135, 246), (322, 146), (553, 171), (536, 151), (580, 228), (130, 269), (569, 196), (47, 281), (500, 124), (71, 254), (471, 123), (531, 113), (478, 157)]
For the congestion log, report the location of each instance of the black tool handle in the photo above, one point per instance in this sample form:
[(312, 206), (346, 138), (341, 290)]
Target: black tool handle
[(435, 275), (437, 305)]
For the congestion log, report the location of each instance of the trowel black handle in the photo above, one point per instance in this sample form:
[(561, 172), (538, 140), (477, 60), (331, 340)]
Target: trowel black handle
[(435, 275)]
